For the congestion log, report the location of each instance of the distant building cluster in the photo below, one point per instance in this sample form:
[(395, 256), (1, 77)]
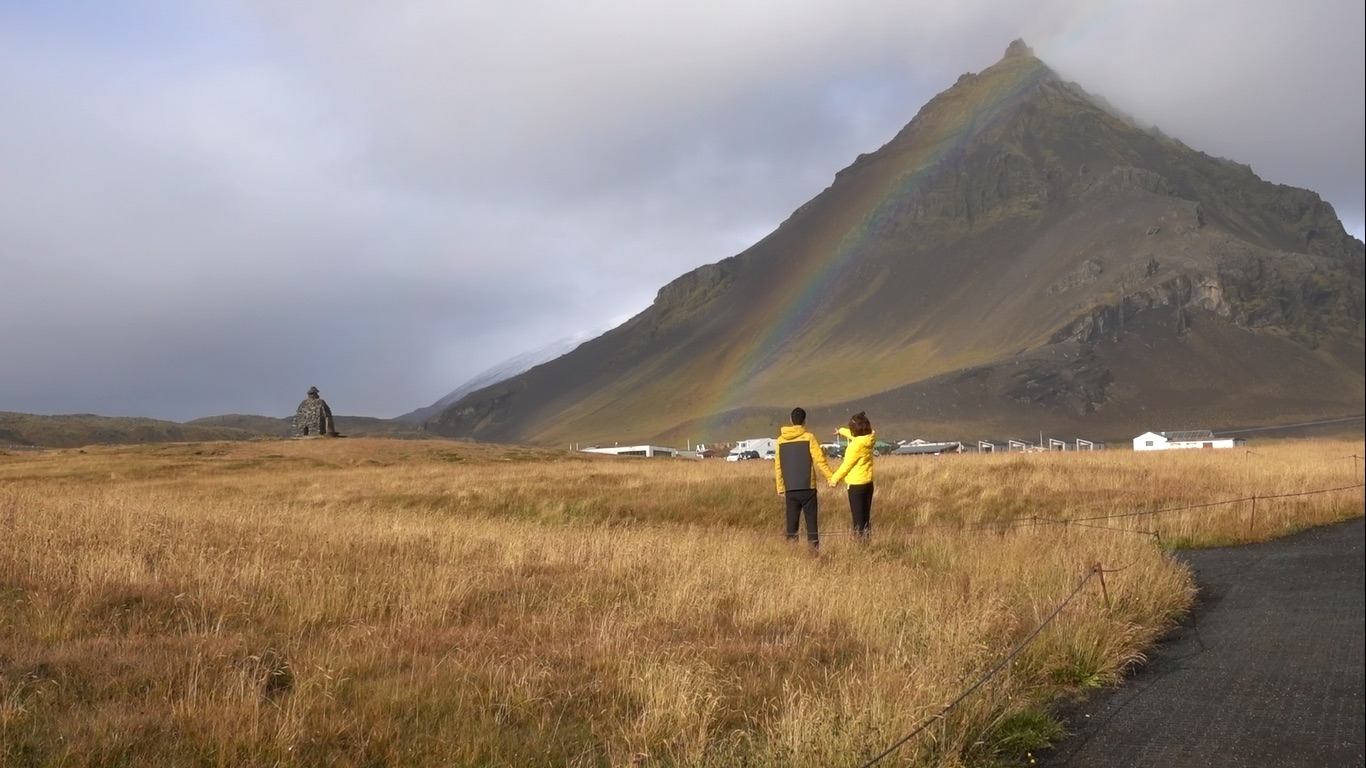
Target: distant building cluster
[(1029, 446), (764, 447)]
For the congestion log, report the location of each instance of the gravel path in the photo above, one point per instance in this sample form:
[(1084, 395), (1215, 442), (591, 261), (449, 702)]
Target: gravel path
[(1267, 672)]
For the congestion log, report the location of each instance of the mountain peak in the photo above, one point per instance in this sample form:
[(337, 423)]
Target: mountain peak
[(1018, 49), (1017, 257)]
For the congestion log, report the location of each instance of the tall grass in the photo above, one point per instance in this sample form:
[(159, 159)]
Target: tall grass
[(368, 602)]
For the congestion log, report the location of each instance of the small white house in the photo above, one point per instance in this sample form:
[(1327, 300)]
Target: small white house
[(1192, 438), (762, 445)]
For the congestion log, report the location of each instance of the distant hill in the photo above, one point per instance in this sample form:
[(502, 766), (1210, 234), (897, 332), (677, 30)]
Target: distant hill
[(269, 426), (500, 372), (1019, 258), (74, 430)]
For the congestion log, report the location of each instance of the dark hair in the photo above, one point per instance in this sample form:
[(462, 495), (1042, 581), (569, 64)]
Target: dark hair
[(799, 416), (859, 425)]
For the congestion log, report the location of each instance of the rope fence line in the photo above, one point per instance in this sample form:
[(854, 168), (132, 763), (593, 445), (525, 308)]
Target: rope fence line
[(1002, 526), (1154, 534), (1122, 568), (1095, 570), (1021, 522), (1005, 525), (1218, 503), (1078, 522)]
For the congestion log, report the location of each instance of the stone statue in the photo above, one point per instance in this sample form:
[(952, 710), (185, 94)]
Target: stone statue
[(314, 418)]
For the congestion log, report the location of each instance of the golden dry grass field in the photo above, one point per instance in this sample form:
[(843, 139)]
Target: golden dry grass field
[(366, 602)]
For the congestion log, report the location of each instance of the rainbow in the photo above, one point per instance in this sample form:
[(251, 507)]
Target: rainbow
[(791, 302)]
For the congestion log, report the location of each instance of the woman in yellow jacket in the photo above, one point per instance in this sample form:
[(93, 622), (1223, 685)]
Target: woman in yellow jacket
[(857, 471)]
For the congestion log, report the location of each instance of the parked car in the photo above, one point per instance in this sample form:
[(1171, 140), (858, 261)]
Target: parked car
[(742, 456)]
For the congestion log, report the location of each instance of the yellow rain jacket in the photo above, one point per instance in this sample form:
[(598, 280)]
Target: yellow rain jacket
[(801, 464), (857, 467)]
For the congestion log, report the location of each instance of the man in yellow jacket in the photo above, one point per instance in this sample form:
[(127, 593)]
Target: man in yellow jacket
[(795, 462)]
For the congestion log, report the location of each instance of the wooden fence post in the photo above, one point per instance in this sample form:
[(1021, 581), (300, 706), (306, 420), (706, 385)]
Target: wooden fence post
[(1104, 590)]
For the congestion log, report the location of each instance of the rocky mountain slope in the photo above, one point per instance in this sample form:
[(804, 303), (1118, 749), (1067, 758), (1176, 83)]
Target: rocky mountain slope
[(500, 372), (1018, 258)]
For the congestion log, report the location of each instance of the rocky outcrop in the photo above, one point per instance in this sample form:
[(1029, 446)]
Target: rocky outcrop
[(1286, 292), (695, 287), (1123, 177), (1175, 294), (1305, 297), (1080, 386)]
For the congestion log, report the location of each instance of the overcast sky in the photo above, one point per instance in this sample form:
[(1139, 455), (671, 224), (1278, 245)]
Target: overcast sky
[(207, 206)]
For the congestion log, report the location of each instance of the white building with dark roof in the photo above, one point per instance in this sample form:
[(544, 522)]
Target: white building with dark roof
[(764, 446), (1177, 440)]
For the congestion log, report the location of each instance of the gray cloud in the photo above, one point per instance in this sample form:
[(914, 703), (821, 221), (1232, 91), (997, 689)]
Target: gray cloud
[(208, 208)]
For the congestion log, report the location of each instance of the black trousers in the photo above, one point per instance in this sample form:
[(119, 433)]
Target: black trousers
[(861, 507), (801, 503)]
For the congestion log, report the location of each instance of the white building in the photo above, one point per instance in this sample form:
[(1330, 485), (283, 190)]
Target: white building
[(762, 445), (1192, 438), (634, 450)]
